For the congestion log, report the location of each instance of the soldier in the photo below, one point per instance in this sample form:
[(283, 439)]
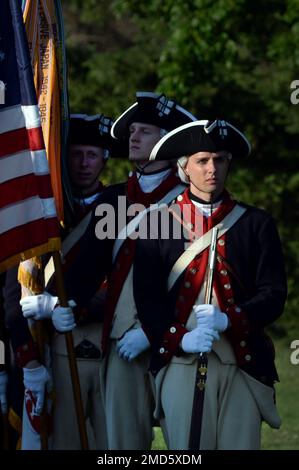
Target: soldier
[(25, 368), (249, 292), (89, 146), (128, 394)]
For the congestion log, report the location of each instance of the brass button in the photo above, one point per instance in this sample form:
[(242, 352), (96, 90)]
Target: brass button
[(190, 226), (242, 344), (230, 300), (180, 198), (161, 350), (227, 286), (193, 270), (237, 309), (247, 357), (187, 284), (172, 329), (223, 272), (221, 242)]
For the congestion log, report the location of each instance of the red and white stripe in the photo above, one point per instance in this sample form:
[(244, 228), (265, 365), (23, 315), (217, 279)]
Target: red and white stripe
[(27, 207)]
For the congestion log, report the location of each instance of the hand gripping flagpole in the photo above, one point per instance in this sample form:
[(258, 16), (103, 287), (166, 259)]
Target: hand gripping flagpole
[(71, 354), (202, 363)]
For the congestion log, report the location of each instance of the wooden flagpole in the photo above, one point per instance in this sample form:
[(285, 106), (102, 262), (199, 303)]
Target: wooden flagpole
[(71, 354)]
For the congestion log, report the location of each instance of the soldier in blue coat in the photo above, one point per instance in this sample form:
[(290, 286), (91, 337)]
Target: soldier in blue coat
[(249, 292)]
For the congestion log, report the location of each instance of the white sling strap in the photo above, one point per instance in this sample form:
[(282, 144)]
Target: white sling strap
[(68, 244), (133, 224), (201, 244)]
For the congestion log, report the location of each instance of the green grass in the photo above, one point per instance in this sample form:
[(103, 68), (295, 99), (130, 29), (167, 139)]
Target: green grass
[(287, 437), (287, 390), (158, 443)]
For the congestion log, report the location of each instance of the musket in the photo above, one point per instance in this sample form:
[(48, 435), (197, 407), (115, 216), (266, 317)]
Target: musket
[(202, 362)]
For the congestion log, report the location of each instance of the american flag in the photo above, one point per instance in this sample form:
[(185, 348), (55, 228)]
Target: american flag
[(28, 221)]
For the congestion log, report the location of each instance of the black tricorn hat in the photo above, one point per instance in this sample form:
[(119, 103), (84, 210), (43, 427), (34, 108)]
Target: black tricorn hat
[(96, 131), (154, 109), (201, 136)]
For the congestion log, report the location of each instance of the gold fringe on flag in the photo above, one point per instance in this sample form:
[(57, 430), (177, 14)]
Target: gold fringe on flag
[(53, 244)]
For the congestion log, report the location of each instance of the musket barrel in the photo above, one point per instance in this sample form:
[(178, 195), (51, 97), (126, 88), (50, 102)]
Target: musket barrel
[(211, 266)]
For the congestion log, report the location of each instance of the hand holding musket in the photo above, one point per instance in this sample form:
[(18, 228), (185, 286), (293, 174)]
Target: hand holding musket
[(202, 363)]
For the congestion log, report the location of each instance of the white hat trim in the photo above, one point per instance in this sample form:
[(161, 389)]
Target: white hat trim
[(174, 131), (120, 117), (86, 117)]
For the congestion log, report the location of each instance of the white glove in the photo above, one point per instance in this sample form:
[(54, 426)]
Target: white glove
[(38, 306), (35, 380), (3, 387), (132, 344), (211, 317), (199, 340), (63, 318)]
